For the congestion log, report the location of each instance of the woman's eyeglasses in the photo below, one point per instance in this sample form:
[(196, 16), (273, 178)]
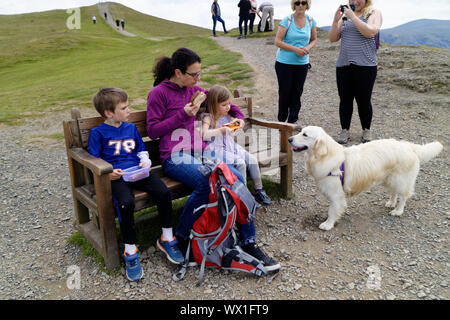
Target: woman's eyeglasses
[(194, 75), (303, 3)]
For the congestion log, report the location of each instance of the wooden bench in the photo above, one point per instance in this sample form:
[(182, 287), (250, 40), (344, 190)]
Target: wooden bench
[(91, 187)]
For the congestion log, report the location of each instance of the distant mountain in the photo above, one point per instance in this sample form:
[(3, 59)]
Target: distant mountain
[(428, 32)]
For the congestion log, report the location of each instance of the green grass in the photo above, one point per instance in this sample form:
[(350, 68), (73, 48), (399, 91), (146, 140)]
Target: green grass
[(149, 26), (45, 67)]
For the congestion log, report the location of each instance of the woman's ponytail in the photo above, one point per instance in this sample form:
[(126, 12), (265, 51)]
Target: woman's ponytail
[(162, 70), (165, 66)]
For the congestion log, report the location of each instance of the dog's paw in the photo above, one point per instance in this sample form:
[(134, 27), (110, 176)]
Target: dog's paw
[(390, 204), (396, 213), (327, 225)]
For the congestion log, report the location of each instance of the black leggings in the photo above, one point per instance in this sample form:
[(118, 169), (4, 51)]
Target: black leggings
[(355, 82), (123, 198), (291, 79)]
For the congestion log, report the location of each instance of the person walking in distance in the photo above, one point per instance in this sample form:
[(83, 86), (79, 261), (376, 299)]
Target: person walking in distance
[(215, 11), (244, 16)]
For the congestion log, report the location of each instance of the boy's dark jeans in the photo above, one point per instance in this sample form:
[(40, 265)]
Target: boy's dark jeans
[(124, 203)]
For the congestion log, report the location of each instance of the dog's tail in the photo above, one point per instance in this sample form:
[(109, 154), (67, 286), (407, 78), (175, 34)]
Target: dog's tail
[(427, 151)]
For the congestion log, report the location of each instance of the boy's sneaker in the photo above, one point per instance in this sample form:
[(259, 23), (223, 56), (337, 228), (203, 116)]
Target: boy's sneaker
[(262, 197), (269, 263), (344, 136), (171, 250), (133, 267)]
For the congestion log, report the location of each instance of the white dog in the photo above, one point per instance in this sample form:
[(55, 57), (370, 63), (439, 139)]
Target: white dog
[(341, 172)]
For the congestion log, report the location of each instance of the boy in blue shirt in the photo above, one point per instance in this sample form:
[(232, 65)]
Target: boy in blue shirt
[(119, 143)]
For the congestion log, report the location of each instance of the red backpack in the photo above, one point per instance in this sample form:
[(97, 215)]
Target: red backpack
[(213, 239)]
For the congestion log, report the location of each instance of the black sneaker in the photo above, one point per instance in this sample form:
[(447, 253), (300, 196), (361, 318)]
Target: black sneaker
[(269, 263), (262, 197)]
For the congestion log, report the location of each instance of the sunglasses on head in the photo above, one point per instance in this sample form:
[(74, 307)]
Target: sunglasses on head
[(303, 3)]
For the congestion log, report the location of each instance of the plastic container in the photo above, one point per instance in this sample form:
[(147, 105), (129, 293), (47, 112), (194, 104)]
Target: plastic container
[(135, 173)]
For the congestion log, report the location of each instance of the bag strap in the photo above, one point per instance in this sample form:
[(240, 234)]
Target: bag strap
[(202, 272), (229, 224), (292, 15), (180, 275), (208, 205), (310, 20), (227, 173), (289, 20)]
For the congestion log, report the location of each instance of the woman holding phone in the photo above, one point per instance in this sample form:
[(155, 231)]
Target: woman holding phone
[(356, 67)]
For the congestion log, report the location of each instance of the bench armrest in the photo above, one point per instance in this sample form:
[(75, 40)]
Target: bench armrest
[(96, 165), (283, 126)]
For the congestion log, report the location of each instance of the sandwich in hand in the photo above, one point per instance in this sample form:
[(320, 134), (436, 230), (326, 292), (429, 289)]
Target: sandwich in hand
[(198, 98)]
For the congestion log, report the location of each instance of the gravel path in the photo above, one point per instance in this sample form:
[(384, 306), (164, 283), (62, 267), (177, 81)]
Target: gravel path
[(368, 255), (104, 7)]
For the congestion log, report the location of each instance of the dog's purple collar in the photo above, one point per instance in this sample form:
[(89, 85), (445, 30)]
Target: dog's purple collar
[(341, 176)]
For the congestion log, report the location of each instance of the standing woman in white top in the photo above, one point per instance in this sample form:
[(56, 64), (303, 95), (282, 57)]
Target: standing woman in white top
[(295, 38), (356, 67)]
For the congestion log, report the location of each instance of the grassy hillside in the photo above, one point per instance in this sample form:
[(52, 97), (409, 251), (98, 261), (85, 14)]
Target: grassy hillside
[(149, 26), (46, 67)]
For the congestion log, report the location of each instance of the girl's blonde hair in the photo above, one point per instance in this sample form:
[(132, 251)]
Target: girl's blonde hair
[(307, 6), (368, 8), (217, 94)]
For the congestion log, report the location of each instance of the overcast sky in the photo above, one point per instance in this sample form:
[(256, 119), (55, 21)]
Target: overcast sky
[(197, 12)]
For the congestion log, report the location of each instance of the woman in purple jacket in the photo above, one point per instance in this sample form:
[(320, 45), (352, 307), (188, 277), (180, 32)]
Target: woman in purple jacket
[(171, 117)]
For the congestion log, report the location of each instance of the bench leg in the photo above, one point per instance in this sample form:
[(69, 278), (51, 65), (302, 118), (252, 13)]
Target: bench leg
[(286, 181), (110, 250), (286, 171)]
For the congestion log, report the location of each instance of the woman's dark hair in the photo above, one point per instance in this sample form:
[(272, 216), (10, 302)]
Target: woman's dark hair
[(165, 67)]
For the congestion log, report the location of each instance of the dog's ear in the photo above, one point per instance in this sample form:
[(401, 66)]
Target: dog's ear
[(320, 147)]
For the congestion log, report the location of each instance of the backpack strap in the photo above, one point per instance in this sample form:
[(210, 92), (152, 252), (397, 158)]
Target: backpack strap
[(292, 15), (227, 226), (310, 20), (227, 173), (208, 205), (180, 275), (202, 272), (289, 20)]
